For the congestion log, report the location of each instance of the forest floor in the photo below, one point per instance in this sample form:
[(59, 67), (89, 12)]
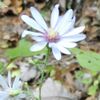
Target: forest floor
[(11, 27)]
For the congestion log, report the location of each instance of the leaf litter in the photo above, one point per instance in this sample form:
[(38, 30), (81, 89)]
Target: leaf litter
[(10, 25)]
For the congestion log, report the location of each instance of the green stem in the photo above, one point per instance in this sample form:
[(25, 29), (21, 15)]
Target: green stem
[(40, 93), (42, 72), (47, 56), (41, 81)]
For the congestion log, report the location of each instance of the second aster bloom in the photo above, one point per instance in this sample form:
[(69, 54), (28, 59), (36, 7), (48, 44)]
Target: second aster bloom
[(61, 34), (11, 90)]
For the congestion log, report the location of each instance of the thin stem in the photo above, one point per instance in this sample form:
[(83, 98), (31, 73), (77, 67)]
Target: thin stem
[(47, 56), (40, 92), (42, 72), (41, 81)]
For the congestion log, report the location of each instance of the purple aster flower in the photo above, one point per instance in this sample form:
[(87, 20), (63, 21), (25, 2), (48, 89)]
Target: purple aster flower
[(10, 90), (61, 34)]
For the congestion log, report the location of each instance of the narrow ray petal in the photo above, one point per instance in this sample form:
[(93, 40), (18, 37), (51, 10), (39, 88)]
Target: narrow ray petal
[(39, 46), (16, 83), (54, 16), (21, 96), (25, 32), (66, 18), (29, 21), (66, 44), (9, 79), (63, 50), (37, 16), (67, 26), (4, 95), (37, 38), (75, 31), (3, 82), (59, 20), (75, 38), (56, 52)]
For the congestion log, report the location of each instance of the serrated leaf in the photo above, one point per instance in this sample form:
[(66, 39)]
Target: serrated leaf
[(22, 50), (88, 59)]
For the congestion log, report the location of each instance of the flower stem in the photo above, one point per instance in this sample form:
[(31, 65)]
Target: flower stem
[(41, 81), (42, 72), (47, 56)]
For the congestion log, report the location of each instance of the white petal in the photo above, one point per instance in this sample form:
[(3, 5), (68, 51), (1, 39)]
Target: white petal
[(39, 46), (59, 19), (63, 50), (37, 16), (75, 31), (54, 16), (56, 52), (31, 33), (3, 82), (66, 44), (32, 23), (9, 79), (38, 38), (4, 95), (75, 38), (67, 26), (16, 83), (21, 96), (66, 18)]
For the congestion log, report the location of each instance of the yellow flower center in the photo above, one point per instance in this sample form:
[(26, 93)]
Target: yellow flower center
[(14, 92), (52, 34)]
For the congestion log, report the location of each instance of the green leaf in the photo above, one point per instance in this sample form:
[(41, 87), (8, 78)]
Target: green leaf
[(80, 76), (88, 59), (92, 89), (87, 81), (22, 50)]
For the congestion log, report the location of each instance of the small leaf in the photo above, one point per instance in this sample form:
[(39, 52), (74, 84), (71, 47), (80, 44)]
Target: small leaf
[(80, 76), (88, 59), (50, 69), (92, 89), (22, 50), (96, 82), (87, 81)]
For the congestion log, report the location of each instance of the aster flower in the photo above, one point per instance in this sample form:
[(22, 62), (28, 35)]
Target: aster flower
[(61, 34), (10, 91)]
